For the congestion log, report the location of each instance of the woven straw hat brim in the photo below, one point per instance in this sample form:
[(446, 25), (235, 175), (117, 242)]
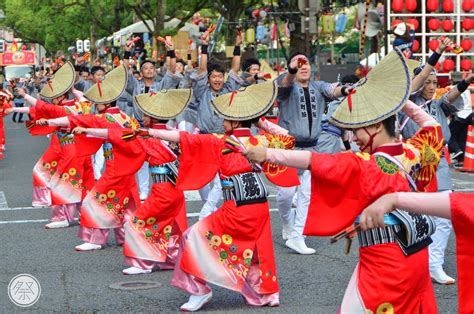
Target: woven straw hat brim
[(165, 104), (246, 103), (111, 87), (412, 65), (378, 96), (60, 83)]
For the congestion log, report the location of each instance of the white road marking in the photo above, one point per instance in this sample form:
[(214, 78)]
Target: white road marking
[(10, 222), (195, 196), (192, 198), (3, 200), (21, 208)]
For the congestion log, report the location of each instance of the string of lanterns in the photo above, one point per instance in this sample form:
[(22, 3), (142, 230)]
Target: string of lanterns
[(445, 24)]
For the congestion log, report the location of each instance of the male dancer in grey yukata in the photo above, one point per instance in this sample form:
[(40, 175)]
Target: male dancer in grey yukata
[(302, 102), (208, 83), (440, 109), (331, 138), (147, 84)]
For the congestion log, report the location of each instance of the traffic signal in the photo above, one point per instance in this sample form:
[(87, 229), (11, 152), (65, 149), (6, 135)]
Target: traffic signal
[(87, 45), (79, 45)]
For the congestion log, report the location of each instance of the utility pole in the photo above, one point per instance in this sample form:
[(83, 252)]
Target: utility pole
[(307, 40), (93, 51)]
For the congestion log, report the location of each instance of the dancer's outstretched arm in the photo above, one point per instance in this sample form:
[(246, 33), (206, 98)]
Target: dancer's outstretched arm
[(291, 158), (434, 204), (167, 135)]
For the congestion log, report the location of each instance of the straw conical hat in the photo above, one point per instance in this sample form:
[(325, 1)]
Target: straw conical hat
[(110, 88), (165, 104), (60, 83), (246, 103), (412, 64), (265, 67), (379, 95)]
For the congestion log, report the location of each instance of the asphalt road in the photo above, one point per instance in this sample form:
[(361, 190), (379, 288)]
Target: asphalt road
[(73, 282)]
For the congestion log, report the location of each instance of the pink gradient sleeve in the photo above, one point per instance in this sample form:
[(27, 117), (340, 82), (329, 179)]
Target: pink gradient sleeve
[(78, 94), (418, 115), (21, 109), (291, 158), (63, 121), (434, 204), (271, 127), (167, 135), (30, 99), (100, 133)]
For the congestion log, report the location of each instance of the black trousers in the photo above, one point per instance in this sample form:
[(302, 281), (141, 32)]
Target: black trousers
[(458, 128), (20, 115)]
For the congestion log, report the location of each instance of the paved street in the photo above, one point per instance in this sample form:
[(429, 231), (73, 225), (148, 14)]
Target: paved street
[(72, 281)]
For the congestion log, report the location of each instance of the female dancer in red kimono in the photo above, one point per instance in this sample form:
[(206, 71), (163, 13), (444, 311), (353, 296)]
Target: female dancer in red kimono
[(152, 235), (392, 274), (5, 103), (56, 89), (115, 195), (233, 246), (73, 175), (459, 207)]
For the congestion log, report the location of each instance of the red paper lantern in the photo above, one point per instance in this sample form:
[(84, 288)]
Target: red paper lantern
[(466, 44), (416, 46), (411, 5), (433, 44), (447, 25), (466, 64), (256, 13), (467, 6), (434, 24), (432, 5), (395, 23), (448, 6), (397, 5), (414, 22), (467, 24), (437, 66), (448, 65)]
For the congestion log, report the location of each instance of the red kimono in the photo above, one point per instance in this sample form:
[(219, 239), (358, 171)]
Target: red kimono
[(462, 215), (232, 247), (72, 173), (343, 184), (4, 105), (155, 230), (116, 191)]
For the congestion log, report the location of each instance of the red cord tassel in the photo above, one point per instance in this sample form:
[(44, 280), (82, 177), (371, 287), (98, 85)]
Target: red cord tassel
[(98, 86), (232, 97), (50, 84), (349, 100)]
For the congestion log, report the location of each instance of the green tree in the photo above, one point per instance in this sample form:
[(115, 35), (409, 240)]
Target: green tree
[(56, 24), (152, 14), (232, 11)]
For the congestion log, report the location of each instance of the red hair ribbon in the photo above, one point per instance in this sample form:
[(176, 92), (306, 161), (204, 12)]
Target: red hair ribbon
[(232, 97), (50, 84), (98, 86), (349, 99)]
